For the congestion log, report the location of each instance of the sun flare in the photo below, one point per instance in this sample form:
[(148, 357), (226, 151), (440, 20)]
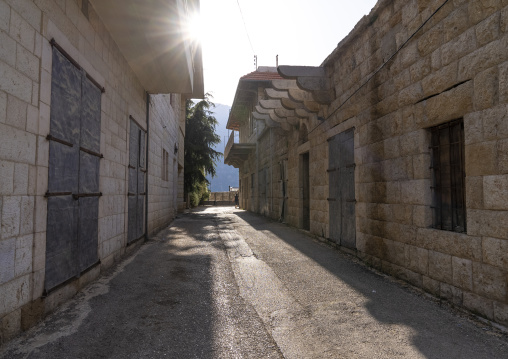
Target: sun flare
[(195, 27)]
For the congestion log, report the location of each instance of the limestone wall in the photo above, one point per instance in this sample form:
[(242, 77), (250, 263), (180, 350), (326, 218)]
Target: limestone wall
[(453, 65), (26, 27)]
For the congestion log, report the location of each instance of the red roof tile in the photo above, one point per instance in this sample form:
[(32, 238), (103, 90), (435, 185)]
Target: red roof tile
[(261, 76)]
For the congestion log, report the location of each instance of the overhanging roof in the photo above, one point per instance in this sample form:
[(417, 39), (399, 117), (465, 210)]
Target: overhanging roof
[(247, 94), (150, 34)]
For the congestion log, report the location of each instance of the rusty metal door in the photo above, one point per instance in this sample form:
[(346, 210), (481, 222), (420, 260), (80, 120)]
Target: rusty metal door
[(305, 190), (283, 189), (341, 172), (73, 174), (136, 190)]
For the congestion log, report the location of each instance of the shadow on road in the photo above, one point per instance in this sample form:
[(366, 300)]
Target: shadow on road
[(437, 333)]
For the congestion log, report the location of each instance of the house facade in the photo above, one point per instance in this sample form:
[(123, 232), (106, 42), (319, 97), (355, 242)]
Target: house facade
[(394, 149), (92, 126)]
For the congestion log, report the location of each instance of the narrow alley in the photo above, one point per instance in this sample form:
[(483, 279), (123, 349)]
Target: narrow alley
[(224, 283)]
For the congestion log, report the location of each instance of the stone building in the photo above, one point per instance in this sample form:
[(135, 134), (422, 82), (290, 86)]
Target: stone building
[(92, 100), (395, 148)]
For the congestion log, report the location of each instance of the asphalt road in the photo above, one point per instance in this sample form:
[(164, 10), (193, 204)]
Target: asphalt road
[(225, 283)]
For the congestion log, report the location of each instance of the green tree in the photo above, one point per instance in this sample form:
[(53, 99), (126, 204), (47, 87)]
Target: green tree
[(200, 157)]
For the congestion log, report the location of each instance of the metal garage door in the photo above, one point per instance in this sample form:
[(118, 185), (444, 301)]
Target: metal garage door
[(73, 176), (342, 189)]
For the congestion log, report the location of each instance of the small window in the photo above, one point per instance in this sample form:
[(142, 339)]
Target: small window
[(165, 165), (448, 176)]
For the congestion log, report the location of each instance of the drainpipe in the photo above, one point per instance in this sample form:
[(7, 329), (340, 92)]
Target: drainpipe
[(147, 151)]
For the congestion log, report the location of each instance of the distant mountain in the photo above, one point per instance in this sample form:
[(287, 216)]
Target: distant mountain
[(225, 175)]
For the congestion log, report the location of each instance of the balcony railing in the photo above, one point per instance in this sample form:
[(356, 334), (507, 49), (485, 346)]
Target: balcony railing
[(229, 145)]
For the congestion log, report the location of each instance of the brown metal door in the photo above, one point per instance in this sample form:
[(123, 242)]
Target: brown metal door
[(342, 217)]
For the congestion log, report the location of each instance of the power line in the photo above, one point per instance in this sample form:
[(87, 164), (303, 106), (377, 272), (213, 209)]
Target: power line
[(245, 25), (382, 66)]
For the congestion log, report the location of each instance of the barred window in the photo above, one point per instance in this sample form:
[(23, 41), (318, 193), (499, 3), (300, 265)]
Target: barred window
[(448, 176)]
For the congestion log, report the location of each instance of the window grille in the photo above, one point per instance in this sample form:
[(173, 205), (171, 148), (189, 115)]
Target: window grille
[(448, 176)]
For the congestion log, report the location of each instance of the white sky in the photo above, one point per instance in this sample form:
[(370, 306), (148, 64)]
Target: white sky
[(301, 32)]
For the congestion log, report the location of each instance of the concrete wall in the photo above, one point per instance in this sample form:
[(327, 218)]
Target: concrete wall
[(455, 67), (25, 105)]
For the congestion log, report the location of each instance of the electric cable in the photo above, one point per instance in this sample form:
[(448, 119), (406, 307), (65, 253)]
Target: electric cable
[(382, 66), (245, 26)]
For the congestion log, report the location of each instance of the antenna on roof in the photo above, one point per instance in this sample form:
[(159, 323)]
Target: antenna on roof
[(256, 62), (277, 61)]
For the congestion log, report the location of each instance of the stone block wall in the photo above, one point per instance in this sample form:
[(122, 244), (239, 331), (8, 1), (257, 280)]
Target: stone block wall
[(26, 27), (406, 67), (452, 68)]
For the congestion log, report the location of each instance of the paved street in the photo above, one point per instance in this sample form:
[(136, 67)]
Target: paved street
[(225, 283)]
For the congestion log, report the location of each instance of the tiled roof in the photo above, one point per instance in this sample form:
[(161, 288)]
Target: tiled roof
[(261, 76)]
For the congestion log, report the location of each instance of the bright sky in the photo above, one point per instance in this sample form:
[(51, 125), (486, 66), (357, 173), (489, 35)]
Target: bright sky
[(300, 32)]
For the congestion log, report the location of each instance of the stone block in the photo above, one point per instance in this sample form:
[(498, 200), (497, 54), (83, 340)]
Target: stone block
[(6, 177), (474, 192), (26, 225), (7, 259), (502, 156), (489, 281), (45, 92), (456, 23), (440, 267), (501, 313), (415, 192), (414, 142), (451, 293), (22, 32), (28, 11), (421, 166), (38, 278), (456, 244), (10, 326), (431, 40), (494, 125), (495, 252), (448, 106), (481, 159), (5, 16), (462, 273), (17, 145), (422, 216), (39, 251), (16, 112), (488, 29), (480, 10), (418, 259), (45, 120), (473, 127), (32, 119), (409, 96), (431, 285), (495, 192), (23, 264), (486, 85), (14, 294), (487, 223), (10, 217), (32, 180), (27, 63), (20, 179), (456, 49), (41, 213), (398, 169), (7, 49), (420, 69), (440, 80), (483, 58), (42, 180), (478, 305)]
